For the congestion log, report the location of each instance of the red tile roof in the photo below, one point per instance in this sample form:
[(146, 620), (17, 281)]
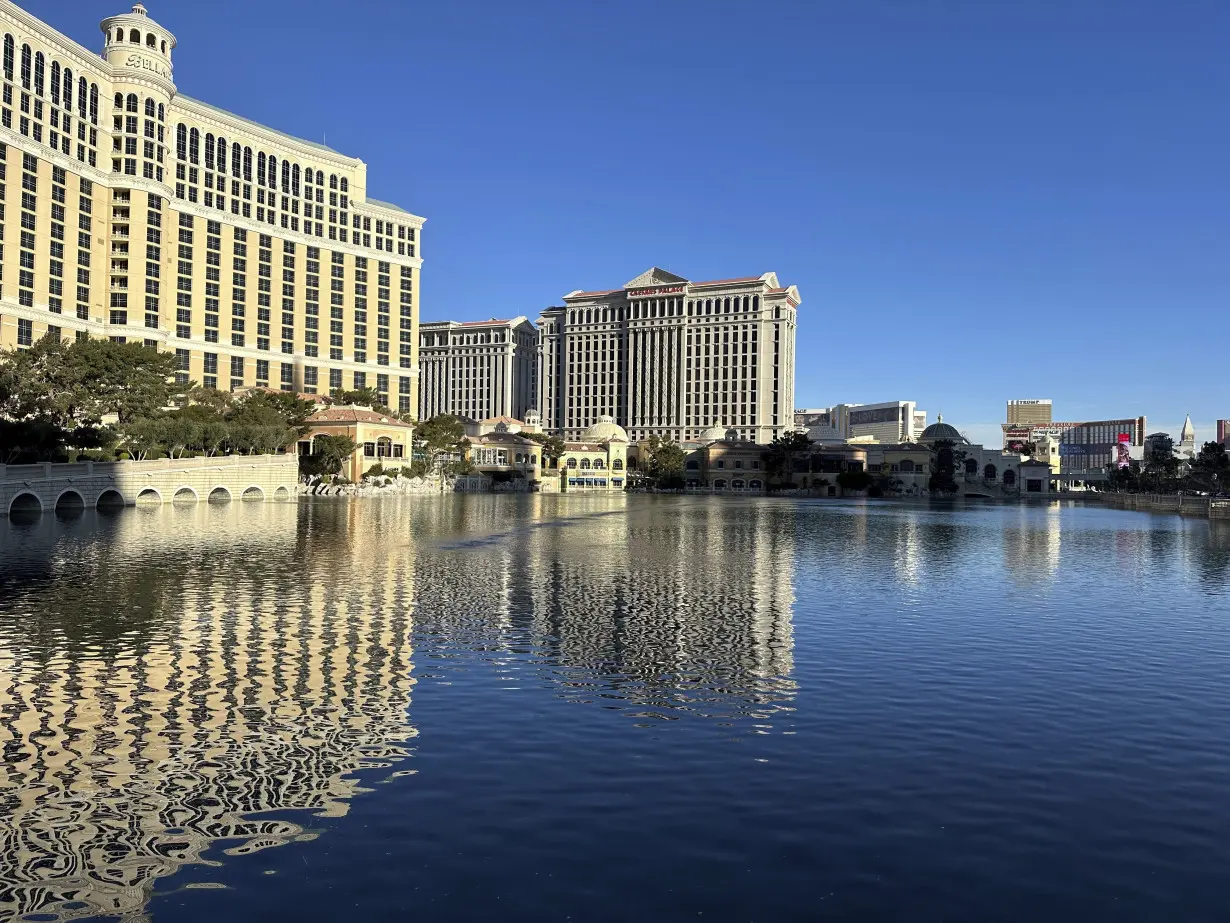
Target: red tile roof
[(353, 415)]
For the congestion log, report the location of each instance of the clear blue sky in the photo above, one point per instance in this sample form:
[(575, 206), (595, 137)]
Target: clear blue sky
[(937, 178)]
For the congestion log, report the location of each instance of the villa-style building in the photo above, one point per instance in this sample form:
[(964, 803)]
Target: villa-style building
[(597, 461), (383, 440)]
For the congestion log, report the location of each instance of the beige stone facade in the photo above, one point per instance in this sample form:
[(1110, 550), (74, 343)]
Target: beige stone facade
[(664, 356), (135, 212), (477, 369), (382, 440)]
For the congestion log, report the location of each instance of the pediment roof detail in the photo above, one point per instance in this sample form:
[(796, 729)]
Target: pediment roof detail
[(655, 276)]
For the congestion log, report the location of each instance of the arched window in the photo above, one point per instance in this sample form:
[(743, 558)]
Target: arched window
[(164, 47), (68, 90), (247, 164), (133, 103), (149, 107), (55, 82), (260, 168), (83, 92), (332, 180), (93, 102), (1009, 478), (25, 66), (599, 464), (971, 466), (345, 184), (273, 172), (294, 181), (151, 40), (119, 35), (236, 160), (907, 466), (286, 176), (617, 465), (222, 149), (755, 302), (571, 462), (40, 71), (209, 150), (119, 101), (134, 36), (162, 113), (181, 141), (584, 464), (989, 472), (9, 51), (194, 146)]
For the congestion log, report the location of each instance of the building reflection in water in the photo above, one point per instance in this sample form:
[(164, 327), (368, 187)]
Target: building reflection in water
[(170, 677), (186, 681), (672, 606)]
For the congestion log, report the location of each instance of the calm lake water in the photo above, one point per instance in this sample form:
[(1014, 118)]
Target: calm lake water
[(549, 708)]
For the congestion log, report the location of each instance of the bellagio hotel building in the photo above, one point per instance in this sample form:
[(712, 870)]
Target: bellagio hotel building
[(130, 211)]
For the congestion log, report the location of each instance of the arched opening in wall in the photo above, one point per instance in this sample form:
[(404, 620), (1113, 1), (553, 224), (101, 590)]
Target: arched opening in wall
[(151, 40), (185, 496), (70, 505), (971, 467), (219, 495), (25, 507), (109, 501), (282, 494), (164, 47), (134, 36), (253, 494), (989, 472), (719, 484), (737, 484), (1009, 478), (149, 497), (755, 485)]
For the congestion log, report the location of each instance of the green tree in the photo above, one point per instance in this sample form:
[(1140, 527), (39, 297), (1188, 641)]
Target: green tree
[(551, 447), (780, 456), (362, 397), (665, 462), (1210, 469), (330, 453), (438, 439), (944, 463), (1160, 472), (263, 422), (142, 437), (293, 410)]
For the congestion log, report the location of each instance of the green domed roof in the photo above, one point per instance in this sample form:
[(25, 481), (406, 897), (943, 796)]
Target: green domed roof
[(940, 430)]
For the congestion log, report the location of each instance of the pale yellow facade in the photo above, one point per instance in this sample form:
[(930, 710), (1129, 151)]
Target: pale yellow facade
[(131, 211)]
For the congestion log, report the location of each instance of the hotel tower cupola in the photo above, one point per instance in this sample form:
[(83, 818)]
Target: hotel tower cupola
[(138, 42)]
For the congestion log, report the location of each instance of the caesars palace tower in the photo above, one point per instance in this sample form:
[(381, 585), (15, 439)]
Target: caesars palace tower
[(131, 211)]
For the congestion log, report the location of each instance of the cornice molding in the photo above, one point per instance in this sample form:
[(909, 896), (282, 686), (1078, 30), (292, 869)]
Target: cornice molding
[(53, 39)]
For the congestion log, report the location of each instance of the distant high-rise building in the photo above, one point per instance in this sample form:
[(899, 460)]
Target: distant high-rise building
[(1027, 413), (477, 369), (665, 356), (887, 422)]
